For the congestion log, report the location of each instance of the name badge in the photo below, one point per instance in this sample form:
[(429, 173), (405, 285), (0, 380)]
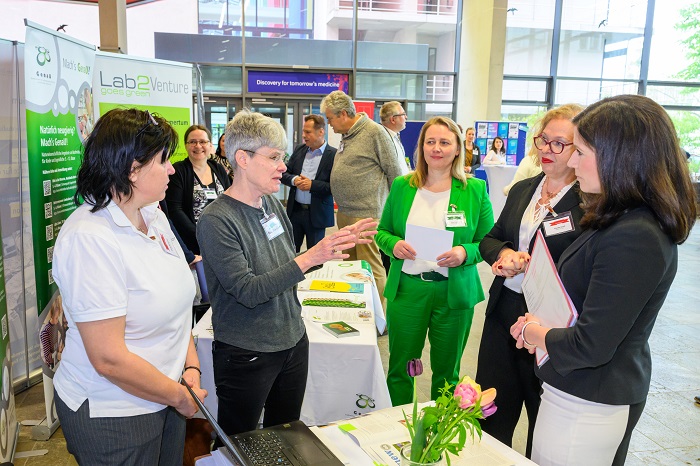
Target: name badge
[(210, 193), (561, 223), (272, 225), (455, 218), (167, 244)]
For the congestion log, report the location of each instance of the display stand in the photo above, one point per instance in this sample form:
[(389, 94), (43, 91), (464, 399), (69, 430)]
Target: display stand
[(513, 133)]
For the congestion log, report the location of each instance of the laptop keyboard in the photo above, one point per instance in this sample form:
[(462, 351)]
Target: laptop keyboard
[(265, 449)]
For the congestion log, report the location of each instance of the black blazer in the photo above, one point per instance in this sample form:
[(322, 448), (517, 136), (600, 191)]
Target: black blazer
[(321, 209), (506, 231), (179, 198), (618, 279)]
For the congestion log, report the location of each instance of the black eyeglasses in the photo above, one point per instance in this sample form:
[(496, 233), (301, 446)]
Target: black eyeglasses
[(150, 121), (556, 147), (401, 114)]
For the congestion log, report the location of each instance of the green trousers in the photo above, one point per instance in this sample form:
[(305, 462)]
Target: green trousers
[(421, 308)]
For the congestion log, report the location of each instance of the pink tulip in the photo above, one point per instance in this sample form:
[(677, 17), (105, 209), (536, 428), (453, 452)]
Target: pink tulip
[(466, 394)]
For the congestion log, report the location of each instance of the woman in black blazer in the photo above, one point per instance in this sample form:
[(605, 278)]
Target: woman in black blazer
[(551, 196), (197, 181), (639, 205)]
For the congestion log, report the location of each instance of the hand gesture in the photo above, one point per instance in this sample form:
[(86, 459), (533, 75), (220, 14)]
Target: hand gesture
[(363, 230), (403, 250), (510, 263), (452, 258), (328, 248), (302, 182)]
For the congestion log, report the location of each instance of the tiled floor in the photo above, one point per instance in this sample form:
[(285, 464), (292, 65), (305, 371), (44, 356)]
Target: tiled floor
[(668, 433)]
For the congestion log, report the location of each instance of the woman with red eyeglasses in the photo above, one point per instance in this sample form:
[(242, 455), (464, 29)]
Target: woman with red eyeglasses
[(532, 203)]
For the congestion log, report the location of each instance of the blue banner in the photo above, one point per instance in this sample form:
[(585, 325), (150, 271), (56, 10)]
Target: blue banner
[(289, 82)]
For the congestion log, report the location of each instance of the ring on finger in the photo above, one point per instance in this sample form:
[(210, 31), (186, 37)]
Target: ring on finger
[(333, 251)]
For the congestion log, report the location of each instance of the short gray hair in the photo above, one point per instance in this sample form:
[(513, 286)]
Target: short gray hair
[(336, 102), (389, 110), (249, 131)]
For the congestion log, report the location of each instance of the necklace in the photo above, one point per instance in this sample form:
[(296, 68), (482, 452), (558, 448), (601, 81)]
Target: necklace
[(547, 194)]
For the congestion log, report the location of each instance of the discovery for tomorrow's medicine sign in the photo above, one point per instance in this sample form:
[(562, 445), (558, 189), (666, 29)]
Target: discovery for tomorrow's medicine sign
[(289, 82)]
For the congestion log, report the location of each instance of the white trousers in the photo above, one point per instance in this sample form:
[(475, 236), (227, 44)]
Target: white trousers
[(573, 431)]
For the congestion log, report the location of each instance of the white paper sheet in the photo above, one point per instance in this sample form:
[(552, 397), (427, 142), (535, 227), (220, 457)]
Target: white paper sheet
[(428, 242), (544, 293)]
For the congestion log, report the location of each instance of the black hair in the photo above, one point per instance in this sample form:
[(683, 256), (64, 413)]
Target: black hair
[(120, 138), (218, 145), (640, 163)]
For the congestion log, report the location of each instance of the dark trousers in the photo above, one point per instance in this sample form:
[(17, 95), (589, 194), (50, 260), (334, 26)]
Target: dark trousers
[(507, 369), (301, 226), (147, 439), (248, 381)]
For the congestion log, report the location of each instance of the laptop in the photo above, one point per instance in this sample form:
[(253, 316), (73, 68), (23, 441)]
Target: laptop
[(286, 444)]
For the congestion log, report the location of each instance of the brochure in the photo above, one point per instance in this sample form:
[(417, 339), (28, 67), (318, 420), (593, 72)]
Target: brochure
[(340, 329)]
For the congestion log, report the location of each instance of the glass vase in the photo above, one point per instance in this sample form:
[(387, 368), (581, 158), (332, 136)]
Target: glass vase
[(406, 461)]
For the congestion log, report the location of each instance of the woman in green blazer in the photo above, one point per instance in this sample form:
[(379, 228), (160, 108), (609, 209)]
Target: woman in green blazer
[(435, 296)]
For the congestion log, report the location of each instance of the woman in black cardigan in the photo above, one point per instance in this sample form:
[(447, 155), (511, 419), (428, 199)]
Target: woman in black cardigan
[(531, 204), (197, 181)]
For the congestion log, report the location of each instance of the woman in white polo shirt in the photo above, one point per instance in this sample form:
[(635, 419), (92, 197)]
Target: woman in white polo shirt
[(127, 295)]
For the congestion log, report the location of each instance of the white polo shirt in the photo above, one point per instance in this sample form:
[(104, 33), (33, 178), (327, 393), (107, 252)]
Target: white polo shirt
[(106, 268)]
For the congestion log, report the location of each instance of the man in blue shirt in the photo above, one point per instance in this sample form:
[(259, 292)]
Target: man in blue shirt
[(310, 203)]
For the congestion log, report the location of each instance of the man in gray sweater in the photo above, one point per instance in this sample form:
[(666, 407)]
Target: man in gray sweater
[(364, 168)]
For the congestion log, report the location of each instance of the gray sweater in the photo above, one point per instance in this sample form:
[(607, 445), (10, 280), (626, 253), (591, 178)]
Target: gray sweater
[(251, 280), (364, 168)]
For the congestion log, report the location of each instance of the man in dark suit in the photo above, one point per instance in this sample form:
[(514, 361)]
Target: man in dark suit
[(310, 203)]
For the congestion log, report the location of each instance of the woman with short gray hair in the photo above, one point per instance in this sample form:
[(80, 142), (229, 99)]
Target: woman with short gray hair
[(260, 348)]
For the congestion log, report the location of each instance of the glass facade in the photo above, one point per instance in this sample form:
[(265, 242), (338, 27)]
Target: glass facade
[(392, 49), (560, 51)]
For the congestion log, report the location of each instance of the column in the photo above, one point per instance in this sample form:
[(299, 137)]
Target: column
[(480, 74), (113, 26)]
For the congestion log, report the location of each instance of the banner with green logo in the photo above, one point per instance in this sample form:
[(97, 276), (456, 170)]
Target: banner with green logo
[(159, 86), (60, 116)]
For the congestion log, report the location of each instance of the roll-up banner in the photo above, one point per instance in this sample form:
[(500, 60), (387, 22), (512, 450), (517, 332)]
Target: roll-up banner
[(10, 230), (159, 86), (60, 115)]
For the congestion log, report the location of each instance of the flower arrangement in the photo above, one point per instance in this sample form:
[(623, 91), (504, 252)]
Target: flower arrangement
[(443, 428)]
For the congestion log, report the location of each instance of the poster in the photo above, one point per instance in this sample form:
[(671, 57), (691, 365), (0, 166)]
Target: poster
[(60, 115), (159, 86)]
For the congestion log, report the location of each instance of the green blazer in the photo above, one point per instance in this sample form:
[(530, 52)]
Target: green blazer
[(464, 285)]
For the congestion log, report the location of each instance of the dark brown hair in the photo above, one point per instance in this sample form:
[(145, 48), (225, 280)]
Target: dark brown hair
[(640, 163), (319, 121)]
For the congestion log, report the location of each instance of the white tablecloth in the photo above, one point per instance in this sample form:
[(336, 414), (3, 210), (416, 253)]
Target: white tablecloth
[(346, 377), (498, 176)]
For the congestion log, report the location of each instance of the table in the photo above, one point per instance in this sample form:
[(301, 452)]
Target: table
[(499, 176), (488, 451), (346, 377)]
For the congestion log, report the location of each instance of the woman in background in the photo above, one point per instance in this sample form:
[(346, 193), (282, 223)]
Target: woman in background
[(552, 196), (437, 296), (197, 181), (127, 297), (220, 157), (497, 154), (472, 155), (639, 204)]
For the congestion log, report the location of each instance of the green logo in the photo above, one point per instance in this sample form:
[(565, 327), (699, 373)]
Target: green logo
[(364, 401), (42, 57)]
